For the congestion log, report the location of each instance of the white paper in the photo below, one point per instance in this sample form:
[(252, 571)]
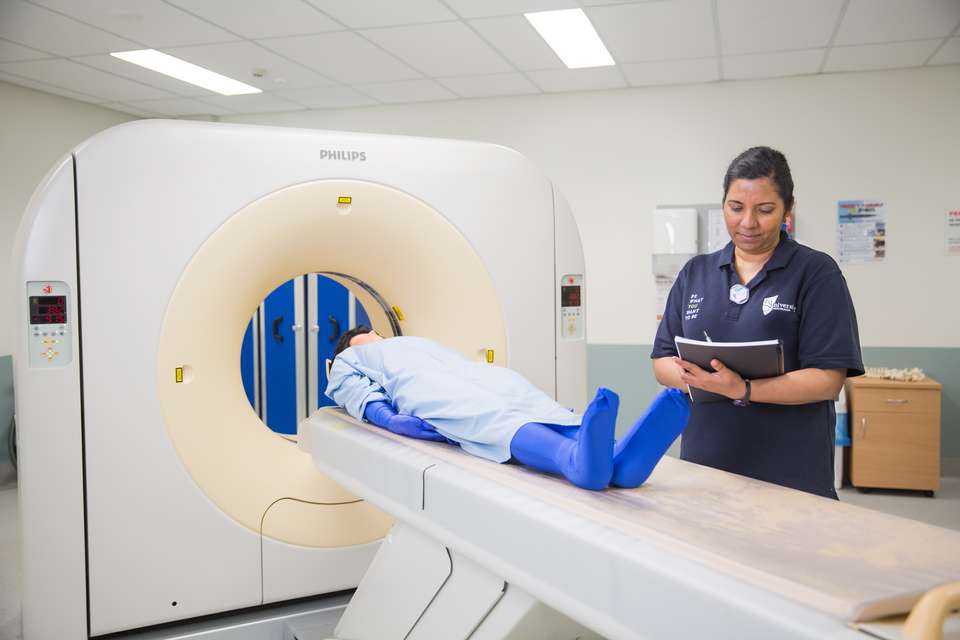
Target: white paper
[(861, 231), (717, 236), (953, 233)]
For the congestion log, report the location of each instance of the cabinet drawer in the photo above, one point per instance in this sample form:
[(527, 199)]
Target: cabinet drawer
[(896, 400), (899, 451)]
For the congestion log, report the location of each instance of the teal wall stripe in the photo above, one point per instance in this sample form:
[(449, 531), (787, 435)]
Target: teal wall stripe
[(6, 404), (626, 369)]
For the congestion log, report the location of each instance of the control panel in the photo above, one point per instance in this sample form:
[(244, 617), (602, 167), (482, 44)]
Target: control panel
[(571, 307), (51, 331)]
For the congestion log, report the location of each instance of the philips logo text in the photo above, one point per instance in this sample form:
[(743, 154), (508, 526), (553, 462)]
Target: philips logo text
[(336, 154)]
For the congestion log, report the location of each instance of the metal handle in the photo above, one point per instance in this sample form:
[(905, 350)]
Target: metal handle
[(897, 401), (334, 329), (314, 328), (296, 327), (863, 427), (276, 329)]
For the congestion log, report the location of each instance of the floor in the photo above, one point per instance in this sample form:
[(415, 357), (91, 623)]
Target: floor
[(943, 510)]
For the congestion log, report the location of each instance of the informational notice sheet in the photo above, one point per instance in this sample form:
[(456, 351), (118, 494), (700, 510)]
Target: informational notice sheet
[(953, 233), (861, 231), (717, 236)]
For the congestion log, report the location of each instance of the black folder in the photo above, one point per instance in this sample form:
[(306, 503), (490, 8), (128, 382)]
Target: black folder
[(752, 360)]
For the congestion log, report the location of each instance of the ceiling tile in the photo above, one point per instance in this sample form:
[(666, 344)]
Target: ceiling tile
[(239, 60), (445, 49), (362, 14), (672, 72), (408, 91), (772, 65), (343, 56), (484, 8), (152, 23), (757, 26), (134, 111), (76, 77), (553, 80), (144, 76), (518, 41), (650, 31), (870, 21), (180, 107), (894, 55), (41, 29), (498, 84), (261, 19), (46, 88), (12, 52), (328, 97), (255, 103), (949, 54)]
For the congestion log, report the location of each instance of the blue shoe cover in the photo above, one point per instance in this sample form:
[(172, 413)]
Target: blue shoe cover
[(636, 455), (586, 460)]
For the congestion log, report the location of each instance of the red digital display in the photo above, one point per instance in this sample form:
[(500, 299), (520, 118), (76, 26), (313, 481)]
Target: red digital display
[(48, 309), (570, 296)]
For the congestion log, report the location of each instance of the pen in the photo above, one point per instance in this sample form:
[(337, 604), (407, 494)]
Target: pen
[(707, 336)]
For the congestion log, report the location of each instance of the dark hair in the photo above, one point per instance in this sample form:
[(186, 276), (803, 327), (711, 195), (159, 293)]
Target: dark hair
[(762, 162), (347, 336)]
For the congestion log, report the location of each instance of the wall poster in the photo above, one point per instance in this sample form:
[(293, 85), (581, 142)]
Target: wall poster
[(861, 231), (953, 233)]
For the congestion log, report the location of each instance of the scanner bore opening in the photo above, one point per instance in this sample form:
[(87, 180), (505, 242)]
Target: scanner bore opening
[(291, 337)]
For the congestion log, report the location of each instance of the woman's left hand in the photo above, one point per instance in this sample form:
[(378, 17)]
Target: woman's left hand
[(723, 381)]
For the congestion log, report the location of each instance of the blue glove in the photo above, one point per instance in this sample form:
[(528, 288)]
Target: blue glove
[(383, 415)]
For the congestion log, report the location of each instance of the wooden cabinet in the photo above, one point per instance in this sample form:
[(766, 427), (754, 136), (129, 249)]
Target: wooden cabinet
[(895, 427)]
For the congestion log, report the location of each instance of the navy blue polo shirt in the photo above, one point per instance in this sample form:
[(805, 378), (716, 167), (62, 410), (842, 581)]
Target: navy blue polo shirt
[(800, 296)]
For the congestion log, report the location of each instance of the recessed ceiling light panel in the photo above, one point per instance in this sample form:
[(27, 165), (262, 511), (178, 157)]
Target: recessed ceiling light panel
[(572, 37), (186, 71)]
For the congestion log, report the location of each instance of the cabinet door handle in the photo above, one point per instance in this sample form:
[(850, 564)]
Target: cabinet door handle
[(863, 427), (897, 401)]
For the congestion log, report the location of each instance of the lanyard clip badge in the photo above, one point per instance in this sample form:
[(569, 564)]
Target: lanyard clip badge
[(739, 294)]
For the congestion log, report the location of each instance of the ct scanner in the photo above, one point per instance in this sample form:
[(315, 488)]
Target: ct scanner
[(151, 493), (150, 490)]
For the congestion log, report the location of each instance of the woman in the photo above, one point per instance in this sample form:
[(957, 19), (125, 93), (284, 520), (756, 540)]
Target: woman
[(762, 286)]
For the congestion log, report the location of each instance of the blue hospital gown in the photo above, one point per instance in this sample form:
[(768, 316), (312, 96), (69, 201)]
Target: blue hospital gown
[(478, 405)]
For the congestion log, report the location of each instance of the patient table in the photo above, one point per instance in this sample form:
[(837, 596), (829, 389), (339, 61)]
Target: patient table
[(488, 549)]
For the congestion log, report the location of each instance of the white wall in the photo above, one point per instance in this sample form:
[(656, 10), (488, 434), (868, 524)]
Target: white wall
[(36, 129), (617, 154)]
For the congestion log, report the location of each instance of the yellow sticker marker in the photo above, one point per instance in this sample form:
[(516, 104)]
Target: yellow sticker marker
[(398, 313), (489, 356), (179, 374), (345, 200)]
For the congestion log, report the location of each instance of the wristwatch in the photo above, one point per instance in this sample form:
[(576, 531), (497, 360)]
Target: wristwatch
[(745, 400)]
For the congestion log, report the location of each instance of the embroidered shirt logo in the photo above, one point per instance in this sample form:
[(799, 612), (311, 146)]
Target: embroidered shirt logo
[(692, 312), (770, 304)]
